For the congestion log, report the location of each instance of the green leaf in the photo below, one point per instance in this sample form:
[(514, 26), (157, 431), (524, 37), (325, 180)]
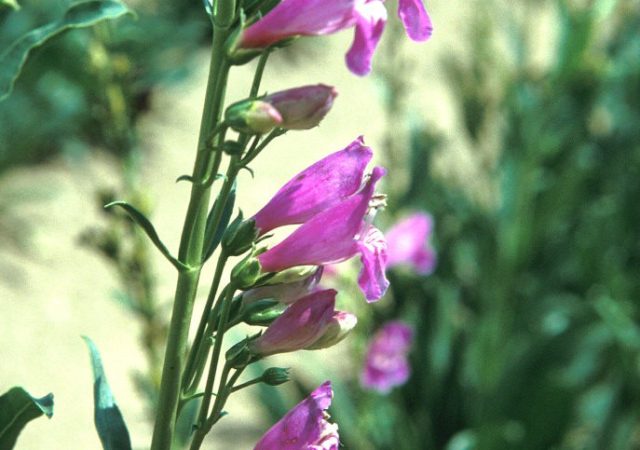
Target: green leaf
[(10, 3), (17, 408), (109, 422), (148, 228), (79, 15), (213, 237)]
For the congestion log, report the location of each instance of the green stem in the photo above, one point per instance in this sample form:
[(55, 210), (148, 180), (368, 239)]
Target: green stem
[(190, 253), (188, 381), (257, 77)]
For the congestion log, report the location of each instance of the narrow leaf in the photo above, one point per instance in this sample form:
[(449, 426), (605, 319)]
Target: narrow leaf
[(17, 408), (109, 422), (148, 228), (213, 237), (80, 15)]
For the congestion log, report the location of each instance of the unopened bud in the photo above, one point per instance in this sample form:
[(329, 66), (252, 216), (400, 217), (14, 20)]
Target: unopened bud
[(239, 236), (338, 329), (303, 107), (239, 355), (252, 116), (262, 312), (274, 376), (245, 274)]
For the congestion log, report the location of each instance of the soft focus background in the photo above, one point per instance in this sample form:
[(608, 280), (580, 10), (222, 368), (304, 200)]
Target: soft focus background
[(517, 127)]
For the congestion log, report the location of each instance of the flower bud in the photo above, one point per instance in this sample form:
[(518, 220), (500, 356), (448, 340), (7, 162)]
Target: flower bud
[(274, 376), (239, 236), (340, 326), (245, 274), (303, 107), (262, 312), (238, 355), (285, 292), (252, 116)]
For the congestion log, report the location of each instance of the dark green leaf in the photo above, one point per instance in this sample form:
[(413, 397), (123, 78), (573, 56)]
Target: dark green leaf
[(108, 418), (213, 237), (17, 408), (80, 15), (148, 228)]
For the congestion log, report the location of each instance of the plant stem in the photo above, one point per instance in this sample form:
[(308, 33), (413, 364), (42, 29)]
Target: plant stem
[(190, 253)]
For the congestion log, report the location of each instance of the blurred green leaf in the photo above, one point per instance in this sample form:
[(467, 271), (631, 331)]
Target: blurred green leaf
[(17, 408), (77, 16), (108, 418), (10, 3)]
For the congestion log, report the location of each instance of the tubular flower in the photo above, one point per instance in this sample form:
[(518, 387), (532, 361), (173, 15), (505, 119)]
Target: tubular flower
[(322, 185), (386, 363), (337, 234), (299, 326), (305, 427), (408, 244), (292, 18)]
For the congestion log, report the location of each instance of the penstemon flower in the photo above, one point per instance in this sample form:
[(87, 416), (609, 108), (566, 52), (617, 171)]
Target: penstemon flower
[(386, 364), (408, 244), (337, 234), (303, 324), (305, 427), (292, 18), (317, 188)]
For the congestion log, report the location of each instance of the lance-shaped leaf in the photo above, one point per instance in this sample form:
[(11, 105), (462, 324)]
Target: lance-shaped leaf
[(148, 228), (80, 15), (17, 408), (214, 236), (109, 422)]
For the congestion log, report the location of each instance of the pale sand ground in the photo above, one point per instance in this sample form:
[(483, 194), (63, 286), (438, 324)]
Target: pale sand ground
[(55, 291)]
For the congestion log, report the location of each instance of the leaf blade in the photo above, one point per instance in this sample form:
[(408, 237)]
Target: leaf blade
[(17, 408), (79, 15), (149, 229), (108, 419)]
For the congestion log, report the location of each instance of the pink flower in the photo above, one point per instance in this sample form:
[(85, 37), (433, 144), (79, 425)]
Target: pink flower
[(317, 188), (305, 427), (408, 244), (337, 234), (319, 17), (386, 363), (299, 326)]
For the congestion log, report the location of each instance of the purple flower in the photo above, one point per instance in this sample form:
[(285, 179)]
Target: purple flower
[(319, 17), (305, 427), (317, 188), (408, 244), (415, 19), (337, 234), (386, 363), (299, 326)]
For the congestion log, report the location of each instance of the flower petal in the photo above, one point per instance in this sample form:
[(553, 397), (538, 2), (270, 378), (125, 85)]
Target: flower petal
[(326, 238), (299, 18), (415, 19), (318, 187), (370, 21)]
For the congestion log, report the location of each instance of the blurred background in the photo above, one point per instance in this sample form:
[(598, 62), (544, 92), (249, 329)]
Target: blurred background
[(516, 127)]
